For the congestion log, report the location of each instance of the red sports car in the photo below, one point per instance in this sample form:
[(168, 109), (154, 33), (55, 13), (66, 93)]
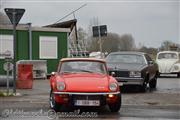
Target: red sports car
[(83, 82)]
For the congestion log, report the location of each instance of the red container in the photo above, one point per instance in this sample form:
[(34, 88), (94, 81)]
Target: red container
[(25, 76), (22, 84), (25, 72)]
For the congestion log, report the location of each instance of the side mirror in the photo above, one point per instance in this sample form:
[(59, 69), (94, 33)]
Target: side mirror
[(53, 73), (113, 74)]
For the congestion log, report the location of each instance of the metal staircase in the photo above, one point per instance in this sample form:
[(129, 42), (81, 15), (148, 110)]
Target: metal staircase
[(77, 48)]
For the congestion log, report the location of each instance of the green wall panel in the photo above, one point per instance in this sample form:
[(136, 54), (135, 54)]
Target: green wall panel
[(23, 47), (62, 48)]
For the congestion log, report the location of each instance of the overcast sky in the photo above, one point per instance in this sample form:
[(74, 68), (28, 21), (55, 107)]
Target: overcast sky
[(149, 21)]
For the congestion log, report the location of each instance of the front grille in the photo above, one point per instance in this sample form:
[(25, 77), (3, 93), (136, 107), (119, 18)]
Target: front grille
[(120, 73)]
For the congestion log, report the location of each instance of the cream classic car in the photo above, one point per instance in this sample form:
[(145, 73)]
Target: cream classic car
[(169, 62)]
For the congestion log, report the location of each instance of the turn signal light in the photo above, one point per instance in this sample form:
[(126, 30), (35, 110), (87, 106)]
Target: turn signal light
[(110, 95)]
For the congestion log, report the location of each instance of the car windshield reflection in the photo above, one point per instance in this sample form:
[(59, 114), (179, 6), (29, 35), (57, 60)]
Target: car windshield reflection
[(82, 67), (167, 56), (125, 58)]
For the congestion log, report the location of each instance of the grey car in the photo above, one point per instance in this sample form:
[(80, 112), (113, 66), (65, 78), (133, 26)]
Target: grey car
[(133, 68)]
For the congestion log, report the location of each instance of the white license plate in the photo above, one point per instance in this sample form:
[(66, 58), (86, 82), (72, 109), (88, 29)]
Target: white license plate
[(87, 103)]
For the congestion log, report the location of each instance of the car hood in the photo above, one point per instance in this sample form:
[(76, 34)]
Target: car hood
[(86, 82), (165, 66), (125, 66)]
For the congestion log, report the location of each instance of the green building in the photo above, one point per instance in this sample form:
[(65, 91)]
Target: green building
[(35, 43)]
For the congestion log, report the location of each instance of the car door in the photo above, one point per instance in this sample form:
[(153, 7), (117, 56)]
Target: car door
[(151, 67)]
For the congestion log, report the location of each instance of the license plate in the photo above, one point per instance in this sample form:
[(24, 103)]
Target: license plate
[(87, 103)]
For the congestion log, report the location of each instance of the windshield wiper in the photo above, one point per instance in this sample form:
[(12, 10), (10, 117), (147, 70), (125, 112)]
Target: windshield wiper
[(87, 71), (68, 72)]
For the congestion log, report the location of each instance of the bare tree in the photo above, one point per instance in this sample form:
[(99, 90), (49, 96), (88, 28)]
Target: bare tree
[(127, 42), (111, 43), (167, 44), (90, 39), (149, 50)]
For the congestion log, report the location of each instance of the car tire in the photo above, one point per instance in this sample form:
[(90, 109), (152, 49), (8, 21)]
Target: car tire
[(115, 107), (159, 75), (53, 104), (143, 87), (153, 83), (178, 75)]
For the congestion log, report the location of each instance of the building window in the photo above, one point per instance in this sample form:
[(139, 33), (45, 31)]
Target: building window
[(6, 45), (48, 47)]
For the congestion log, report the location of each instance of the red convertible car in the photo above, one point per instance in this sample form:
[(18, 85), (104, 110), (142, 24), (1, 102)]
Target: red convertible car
[(83, 82)]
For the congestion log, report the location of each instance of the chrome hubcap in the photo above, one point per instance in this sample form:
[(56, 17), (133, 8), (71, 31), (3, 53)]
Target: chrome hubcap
[(51, 100)]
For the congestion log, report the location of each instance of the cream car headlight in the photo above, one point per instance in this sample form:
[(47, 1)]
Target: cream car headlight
[(176, 67), (134, 74), (60, 86), (113, 86)]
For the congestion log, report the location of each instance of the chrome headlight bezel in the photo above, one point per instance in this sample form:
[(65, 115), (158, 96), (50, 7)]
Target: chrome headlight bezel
[(60, 86), (113, 87), (134, 74)]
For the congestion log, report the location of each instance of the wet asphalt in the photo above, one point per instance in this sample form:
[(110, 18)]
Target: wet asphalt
[(162, 103)]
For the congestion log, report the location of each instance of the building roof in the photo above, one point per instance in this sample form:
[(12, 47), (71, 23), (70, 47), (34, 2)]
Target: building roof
[(25, 27), (82, 59), (66, 24)]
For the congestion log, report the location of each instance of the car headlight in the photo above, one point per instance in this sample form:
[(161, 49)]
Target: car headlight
[(60, 86), (135, 74), (113, 86), (176, 67)]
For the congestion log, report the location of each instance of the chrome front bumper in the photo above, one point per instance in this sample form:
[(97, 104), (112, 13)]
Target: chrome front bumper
[(86, 93), (129, 81)]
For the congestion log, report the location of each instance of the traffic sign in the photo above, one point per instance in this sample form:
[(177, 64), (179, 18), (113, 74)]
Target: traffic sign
[(103, 30), (14, 14), (8, 66), (99, 31), (95, 31)]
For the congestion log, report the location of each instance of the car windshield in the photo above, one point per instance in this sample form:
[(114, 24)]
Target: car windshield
[(83, 67), (167, 56), (126, 58)]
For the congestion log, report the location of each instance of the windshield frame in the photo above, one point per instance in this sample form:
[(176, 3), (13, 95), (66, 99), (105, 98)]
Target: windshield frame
[(83, 71), (143, 58), (177, 57)]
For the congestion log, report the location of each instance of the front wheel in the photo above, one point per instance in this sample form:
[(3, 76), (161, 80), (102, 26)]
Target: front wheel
[(53, 104), (143, 87), (178, 75), (153, 83), (115, 107)]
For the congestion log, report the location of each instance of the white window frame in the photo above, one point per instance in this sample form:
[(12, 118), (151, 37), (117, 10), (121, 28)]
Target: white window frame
[(3, 38), (42, 54)]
